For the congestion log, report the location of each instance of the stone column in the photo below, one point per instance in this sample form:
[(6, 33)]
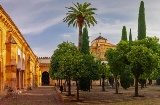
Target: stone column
[(28, 75), (19, 79), (0, 76), (11, 67), (11, 77)]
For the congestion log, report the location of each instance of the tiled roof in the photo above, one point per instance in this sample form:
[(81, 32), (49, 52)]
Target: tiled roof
[(100, 37)]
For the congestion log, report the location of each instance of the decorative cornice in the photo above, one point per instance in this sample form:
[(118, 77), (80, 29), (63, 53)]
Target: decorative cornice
[(11, 40), (9, 22), (44, 57)]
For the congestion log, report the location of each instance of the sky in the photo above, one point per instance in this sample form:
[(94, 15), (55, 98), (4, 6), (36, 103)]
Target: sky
[(41, 21)]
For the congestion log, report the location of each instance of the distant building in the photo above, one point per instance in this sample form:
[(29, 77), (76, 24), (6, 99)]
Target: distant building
[(44, 63), (99, 46)]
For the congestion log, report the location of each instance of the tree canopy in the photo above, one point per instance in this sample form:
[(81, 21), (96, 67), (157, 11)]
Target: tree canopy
[(140, 56), (124, 34), (141, 22), (80, 15), (85, 42)]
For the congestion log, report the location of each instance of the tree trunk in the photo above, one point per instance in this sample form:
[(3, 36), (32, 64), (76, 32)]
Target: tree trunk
[(91, 84), (142, 85), (69, 86), (103, 89), (77, 90), (100, 82), (116, 84), (80, 37), (59, 82), (136, 86)]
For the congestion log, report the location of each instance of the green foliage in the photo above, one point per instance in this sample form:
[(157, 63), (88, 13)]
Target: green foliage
[(125, 81), (85, 42), (141, 56), (80, 14), (141, 22), (93, 70), (130, 36), (125, 78), (152, 43), (124, 34), (108, 72), (66, 61), (142, 60), (113, 57), (84, 81), (96, 70)]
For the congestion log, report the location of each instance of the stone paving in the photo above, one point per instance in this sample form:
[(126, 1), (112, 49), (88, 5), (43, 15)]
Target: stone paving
[(37, 96)]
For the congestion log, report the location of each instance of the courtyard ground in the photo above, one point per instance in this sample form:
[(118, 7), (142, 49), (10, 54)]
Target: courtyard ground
[(48, 96), (37, 96), (150, 96)]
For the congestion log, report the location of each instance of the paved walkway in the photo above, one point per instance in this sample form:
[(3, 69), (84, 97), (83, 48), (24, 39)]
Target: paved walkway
[(37, 96)]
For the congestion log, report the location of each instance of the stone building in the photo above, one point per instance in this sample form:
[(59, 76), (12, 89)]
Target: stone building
[(99, 46), (44, 68), (19, 66)]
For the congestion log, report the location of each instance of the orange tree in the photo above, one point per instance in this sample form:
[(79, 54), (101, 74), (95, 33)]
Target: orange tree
[(117, 60), (68, 63), (143, 61), (141, 56), (61, 66)]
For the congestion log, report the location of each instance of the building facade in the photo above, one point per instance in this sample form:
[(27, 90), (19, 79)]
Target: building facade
[(19, 66), (99, 46), (44, 63)]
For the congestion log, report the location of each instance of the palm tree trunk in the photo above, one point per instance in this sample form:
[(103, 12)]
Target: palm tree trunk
[(80, 36)]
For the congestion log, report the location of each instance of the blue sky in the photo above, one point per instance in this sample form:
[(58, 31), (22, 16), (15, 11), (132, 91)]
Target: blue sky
[(41, 21)]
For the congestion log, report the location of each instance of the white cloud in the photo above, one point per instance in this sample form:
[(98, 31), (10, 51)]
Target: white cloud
[(66, 35), (111, 31), (41, 26), (70, 36), (43, 51), (36, 16)]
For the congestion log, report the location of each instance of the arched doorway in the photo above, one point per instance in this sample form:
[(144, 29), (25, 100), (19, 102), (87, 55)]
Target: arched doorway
[(45, 78)]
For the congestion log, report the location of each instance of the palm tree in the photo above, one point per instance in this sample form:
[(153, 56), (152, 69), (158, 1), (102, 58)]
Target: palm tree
[(80, 15)]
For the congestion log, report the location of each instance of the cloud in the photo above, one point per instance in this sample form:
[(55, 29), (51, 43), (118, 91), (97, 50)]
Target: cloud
[(70, 37), (43, 51), (41, 26), (110, 30), (66, 35), (36, 17), (33, 17)]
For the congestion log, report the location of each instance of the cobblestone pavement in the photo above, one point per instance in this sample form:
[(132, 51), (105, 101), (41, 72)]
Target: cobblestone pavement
[(37, 96)]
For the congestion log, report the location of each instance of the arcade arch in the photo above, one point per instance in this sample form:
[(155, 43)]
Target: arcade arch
[(45, 78)]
